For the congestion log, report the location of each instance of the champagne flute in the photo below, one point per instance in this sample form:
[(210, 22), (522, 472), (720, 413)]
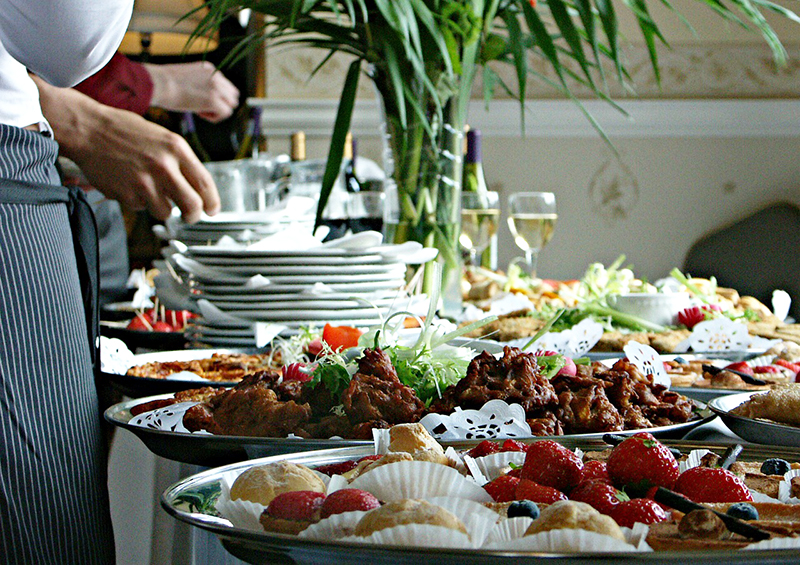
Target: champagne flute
[(532, 218), (480, 216)]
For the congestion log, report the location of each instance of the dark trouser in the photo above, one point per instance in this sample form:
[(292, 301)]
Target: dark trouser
[(53, 488)]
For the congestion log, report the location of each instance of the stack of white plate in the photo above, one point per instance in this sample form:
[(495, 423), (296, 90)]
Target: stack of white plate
[(244, 294)]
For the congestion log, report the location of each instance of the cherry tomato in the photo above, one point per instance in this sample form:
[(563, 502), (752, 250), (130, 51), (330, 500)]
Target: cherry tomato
[(165, 327), (140, 324), (341, 337)]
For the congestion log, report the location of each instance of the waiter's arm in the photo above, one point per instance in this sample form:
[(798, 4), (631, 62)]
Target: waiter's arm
[(127, 158)]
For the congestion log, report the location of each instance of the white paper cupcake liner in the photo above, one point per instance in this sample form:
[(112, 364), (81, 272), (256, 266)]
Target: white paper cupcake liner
[(693, 459), (496, 464), (566, 541), (775, 543), (241, 513), (785, 488), (418, 479), (474, 471), (477, 519), (506, 530), (637, 536), (333, 527), (335, 482), (456, 461), (416, 535)]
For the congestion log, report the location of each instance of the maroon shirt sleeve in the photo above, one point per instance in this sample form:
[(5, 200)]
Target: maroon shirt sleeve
[(122, 83)]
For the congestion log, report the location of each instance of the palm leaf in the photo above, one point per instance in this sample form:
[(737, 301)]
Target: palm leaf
[(341, 126), (570, 34)]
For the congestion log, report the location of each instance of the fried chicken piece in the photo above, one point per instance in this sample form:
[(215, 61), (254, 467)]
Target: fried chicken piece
[(375, 393), (515, 378)]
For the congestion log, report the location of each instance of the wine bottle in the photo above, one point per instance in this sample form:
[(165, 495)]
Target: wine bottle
[(351, 182), (297, 151), (474, 180), (189, 132), (253, 141)]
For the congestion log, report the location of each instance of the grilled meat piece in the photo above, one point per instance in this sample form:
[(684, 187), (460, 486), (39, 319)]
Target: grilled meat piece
[(251, 408), (375, 393), (515, 378)]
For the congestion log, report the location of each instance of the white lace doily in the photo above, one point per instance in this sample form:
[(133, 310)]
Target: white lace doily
[(494, 420), (169, 418), (115, 357), (648, 361), (573, 342), (722, 334)]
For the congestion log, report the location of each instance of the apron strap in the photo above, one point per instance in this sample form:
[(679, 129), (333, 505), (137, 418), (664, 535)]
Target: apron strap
[(84, 238)]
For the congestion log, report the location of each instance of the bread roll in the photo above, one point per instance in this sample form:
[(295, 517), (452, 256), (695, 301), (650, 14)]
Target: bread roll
[(572, 515), (263, 483), (407, 511)]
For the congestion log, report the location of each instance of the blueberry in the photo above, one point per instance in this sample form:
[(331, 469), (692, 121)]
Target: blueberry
[(743, 511), (523, 508), (775, 467)]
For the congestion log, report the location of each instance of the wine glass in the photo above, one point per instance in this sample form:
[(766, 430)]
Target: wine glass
[(480, 216), (532, 218)]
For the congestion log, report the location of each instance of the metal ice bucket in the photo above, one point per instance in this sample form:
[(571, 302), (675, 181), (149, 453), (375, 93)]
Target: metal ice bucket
[(249, 185)]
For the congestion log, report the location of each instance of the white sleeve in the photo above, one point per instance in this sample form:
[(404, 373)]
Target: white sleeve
[(63, 41)]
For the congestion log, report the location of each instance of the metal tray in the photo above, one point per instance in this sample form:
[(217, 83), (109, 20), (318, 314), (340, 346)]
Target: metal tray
[(138, 387), (751, 429), (263, 548), (208, 450)]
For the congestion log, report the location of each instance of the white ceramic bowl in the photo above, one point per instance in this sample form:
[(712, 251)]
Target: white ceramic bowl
[(656, 308)]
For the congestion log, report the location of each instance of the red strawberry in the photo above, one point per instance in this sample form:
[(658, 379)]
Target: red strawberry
[(643, 510), (513, 445), (485, 447), (595, 471), (164, 327), (553, 465), (515, 473), (337, 468), (651, 494), (742, 367), (642, 458), (296, 505), (348, 500), (599, 495), (502, 489), (369, 458), (766, 369), (141, 323), (712, 484), (294, 372), (793, 367), (528, 490)]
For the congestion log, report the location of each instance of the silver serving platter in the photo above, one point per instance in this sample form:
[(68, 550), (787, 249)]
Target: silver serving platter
[(752, 429), (269, 548), (208, 450), (138, 387)]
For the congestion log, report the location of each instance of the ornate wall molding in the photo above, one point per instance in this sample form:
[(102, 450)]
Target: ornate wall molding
[(557, 118)]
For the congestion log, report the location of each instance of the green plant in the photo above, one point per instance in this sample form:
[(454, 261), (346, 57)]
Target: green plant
[(425, 53)]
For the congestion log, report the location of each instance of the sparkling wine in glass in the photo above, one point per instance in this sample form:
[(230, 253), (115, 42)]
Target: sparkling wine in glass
[(480, 216), (532, 218)]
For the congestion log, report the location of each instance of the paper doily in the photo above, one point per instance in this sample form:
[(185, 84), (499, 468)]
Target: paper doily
[(573, 342), (648, 361), (115, 357), (169, 418), (495, 419), (722, 334)]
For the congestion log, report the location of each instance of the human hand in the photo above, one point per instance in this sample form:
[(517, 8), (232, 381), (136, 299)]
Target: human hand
[(127, 158), (193, 87)]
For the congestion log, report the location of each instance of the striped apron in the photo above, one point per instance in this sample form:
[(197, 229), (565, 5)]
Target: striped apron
[(53, 486)]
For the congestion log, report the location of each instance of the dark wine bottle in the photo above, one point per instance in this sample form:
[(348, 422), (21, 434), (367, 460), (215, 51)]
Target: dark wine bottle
[(189, 132), (253, 142)]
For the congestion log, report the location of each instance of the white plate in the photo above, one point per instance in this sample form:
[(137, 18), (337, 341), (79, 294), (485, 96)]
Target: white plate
[(319, 304), (284, 316), (302, 261), (215, 251), (396, 277), (281, 272), (350, 288)]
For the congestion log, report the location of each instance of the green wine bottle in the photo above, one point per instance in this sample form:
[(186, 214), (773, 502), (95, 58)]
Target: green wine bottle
[(253, 142), (474, 180)]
